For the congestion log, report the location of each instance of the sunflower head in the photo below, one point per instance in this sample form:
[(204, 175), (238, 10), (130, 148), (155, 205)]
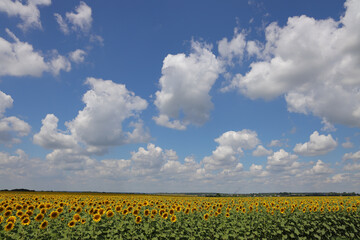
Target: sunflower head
[(9, 226), (83, 221), (76, 217), (25, 221), (147, 212), (54, 214), (109, 213), (44, 224), (165, 215), (138, 219), (39, 217), (11, 219), (97, 217), (72, 223), (206, 216), (173, 218)]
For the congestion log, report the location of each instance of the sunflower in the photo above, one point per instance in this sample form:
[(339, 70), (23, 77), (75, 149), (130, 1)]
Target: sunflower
[(11, 219), (60, 210), (282, 210), (78, 210), (136, 212), (25, 221), (7, 213), (173, 218), (165, 215), (147, 212), (244, 210), (24, 216), (187, 210), (153, 212), (54, 214), (1, 219), (29, 213), (218, 210), (97, 217), (118, 208), (1, 209), (125, 211), (76, 217), (138, 219), (206, 216), (109, 213), (44, 224), (171, 212), (39, 217), (72, 223), (18, 207), (9, 226), (227, 215), (43, 211), (178, 208), (83, 221), (101, 211)]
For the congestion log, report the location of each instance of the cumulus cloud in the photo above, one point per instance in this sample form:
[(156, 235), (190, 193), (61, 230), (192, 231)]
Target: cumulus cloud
[(319, 168), (232, 49), (98, 126), (338, 178), (352, 156), (308, 61), (50, 137), (261, 151), (29, 13), (282, 161), (231, 146), (318, 145), (77, 56), (347, 144), (20, 59), (185, 84), (275, 143), (11, 128), (80, 20)]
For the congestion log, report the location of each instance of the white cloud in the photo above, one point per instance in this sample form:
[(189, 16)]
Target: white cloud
[(261, 151), (352, 156), (81, 20), (234, 48), (338, 178), (29, 13), (318, 145), (62, 23), (58, 63), (282, 161), (352, 167), (309, 61), (77, 56), (185, 85), (231, 145), (98, 126), (275, 143), (347, 144), (50, 137), (107, 105), (319, 168), (11, 127), (19, 58)]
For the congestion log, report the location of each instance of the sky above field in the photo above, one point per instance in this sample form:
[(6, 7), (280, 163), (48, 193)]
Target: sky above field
[(180, 96)]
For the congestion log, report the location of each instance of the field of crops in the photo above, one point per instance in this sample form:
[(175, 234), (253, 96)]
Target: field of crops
[(115, 216)]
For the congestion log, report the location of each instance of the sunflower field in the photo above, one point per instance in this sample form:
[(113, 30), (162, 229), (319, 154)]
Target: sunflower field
[(43, 215)]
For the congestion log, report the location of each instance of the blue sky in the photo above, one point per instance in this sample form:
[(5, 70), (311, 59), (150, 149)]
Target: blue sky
[(165, 96)]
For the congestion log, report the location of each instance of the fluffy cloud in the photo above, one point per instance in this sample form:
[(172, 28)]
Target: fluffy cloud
[(352, 156), (19, 59), (107, 105), (319, 168), (50, 137), (29, 13), (347, 144), (282, 161), (185, 84), (231, 145), (261, 151), (234, 48), (77, 56), (318, 145), (98, 126), (10, 127), (81, 19), (310, 61)]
